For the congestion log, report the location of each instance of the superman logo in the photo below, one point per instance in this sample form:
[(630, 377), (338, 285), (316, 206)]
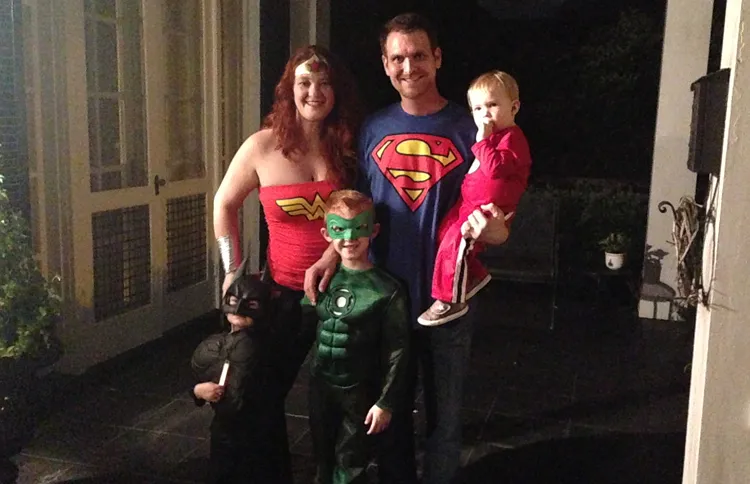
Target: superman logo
[(300, 206), (414, 163)]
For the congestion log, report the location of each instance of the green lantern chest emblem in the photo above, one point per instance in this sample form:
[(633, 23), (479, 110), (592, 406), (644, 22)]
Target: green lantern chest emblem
[(341, 302)]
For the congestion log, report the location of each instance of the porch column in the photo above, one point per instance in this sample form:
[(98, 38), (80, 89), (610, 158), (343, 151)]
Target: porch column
[(251, 118), (310, 23), (687, 34), (718, 433)]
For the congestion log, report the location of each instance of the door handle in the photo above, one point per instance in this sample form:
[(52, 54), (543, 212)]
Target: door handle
[(158, 183)]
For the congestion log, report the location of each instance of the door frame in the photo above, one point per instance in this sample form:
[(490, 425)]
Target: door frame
[(61, 161), (58, 50)]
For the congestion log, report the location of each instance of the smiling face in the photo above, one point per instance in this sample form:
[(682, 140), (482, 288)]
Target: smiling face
[(313, 92), (350, 233), (493, 105), (411, 63)]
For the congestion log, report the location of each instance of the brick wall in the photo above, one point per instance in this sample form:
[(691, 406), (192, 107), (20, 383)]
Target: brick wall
[(13, 158)]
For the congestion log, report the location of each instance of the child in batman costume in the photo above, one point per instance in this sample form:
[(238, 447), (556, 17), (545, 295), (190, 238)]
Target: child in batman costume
[(225, 366), (498, 176), (358, 370)]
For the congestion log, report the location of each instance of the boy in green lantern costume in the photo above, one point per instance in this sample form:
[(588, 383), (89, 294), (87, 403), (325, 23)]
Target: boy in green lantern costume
[(360, 355)]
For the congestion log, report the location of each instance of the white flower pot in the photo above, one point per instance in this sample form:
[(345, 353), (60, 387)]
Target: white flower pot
[(614, 261)]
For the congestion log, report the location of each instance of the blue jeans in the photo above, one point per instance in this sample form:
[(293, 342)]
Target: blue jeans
[(443, 354)]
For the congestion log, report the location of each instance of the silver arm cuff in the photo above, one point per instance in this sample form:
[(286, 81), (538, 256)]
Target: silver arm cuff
[(226, 250)]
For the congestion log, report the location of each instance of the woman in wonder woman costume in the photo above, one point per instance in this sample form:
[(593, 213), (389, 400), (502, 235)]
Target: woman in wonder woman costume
[(304, 151)]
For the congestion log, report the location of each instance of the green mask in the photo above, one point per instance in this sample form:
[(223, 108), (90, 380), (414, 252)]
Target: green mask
[(350, 228)]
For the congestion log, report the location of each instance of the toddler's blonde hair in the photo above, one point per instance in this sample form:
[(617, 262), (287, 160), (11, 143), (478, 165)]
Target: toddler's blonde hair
[(492, 80)]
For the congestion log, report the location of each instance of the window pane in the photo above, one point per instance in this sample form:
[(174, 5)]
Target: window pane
[(182, 15), (109, 124), (105, 8), (102, 181), (106, 57), (184, 102), (91, 67), (176, 129), (132, 87), (117, 138), (122, 260), (93, 136), (178, 81), (186, 241)]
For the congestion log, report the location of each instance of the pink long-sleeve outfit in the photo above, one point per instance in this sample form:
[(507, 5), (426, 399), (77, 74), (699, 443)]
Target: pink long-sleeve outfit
[(499, 175)]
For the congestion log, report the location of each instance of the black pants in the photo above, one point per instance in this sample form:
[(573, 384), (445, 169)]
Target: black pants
[(255, 448), (235, 457), (340, 441), (442, 353)]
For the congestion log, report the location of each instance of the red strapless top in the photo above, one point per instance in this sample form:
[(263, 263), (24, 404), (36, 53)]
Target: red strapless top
[(295, 215)]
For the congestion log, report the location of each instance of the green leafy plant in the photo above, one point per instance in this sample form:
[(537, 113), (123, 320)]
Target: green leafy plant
[(29, 304), (591, 209), (615, 243)]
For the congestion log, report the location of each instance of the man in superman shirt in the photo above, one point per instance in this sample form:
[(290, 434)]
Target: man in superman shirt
[(413, 157)]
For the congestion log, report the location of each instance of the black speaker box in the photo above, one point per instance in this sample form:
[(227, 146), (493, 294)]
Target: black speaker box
[(707, 125)]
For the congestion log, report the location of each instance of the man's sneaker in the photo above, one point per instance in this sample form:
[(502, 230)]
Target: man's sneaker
[(475, 286), (442, 312)]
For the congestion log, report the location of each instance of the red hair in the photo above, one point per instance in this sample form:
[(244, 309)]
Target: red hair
[(340, 128), (352, 201)]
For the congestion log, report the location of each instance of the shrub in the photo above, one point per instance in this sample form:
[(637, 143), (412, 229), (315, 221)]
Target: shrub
[(29, 304)]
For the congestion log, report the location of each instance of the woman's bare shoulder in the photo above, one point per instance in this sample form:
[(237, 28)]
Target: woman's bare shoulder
[(255, 148), (262, 141)]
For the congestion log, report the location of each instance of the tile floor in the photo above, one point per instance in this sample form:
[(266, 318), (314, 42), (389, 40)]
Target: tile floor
[(601, 399)]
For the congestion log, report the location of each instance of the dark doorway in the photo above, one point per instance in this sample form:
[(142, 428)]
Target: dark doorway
[(274, 52), (588, 71)]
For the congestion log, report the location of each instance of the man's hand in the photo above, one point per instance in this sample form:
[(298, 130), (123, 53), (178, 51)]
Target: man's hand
[(486, 224), (319, 274), (484, 130), (378, 420), (209, 391)]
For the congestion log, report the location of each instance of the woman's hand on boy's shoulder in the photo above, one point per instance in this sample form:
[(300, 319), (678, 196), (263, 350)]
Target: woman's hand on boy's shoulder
[(319, 274)]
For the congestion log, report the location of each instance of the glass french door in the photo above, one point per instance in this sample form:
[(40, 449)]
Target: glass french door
[(142, 155)]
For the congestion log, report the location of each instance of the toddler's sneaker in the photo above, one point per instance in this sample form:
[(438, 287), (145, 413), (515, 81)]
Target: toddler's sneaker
[(475, 286), (442, 312)]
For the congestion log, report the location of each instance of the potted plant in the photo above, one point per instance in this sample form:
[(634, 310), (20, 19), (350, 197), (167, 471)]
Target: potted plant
[(29, 310), (615, 246)]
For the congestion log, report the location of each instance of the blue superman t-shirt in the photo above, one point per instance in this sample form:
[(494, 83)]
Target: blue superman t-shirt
[(412, 166)]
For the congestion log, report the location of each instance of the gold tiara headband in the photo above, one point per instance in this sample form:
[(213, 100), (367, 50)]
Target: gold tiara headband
[(311, 65)]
